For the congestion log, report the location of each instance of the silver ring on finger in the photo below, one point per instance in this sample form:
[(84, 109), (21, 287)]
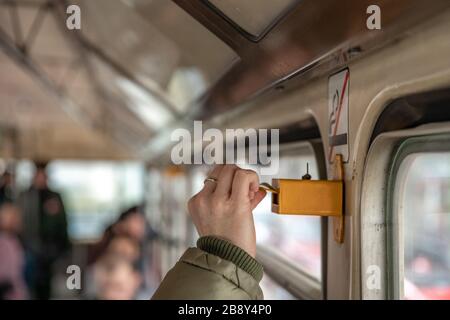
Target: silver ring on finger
[(210, 179)]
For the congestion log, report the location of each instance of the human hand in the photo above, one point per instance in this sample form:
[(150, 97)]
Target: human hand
[(223, 208)]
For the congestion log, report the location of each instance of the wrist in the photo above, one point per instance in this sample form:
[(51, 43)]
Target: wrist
[(226, 250)]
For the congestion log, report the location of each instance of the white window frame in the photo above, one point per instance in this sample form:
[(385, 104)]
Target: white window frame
[(380, 229)]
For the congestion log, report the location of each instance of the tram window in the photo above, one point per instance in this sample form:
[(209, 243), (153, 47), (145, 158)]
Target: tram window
[(423, 212), (298, 238), (273, 291), (253, 16)]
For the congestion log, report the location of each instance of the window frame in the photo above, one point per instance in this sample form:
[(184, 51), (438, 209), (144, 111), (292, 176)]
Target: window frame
[(279, 267), (395, 243), (378, 220), (244, 32)]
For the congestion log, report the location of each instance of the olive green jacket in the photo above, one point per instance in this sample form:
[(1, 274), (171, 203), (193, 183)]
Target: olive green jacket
[(216, 269)]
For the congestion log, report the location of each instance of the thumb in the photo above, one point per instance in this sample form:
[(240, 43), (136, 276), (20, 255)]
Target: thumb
[(259, 196)]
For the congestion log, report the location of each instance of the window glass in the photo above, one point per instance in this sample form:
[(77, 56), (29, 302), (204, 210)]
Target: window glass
[(253, 16), (273, 291), (296, 237), (424, 214)]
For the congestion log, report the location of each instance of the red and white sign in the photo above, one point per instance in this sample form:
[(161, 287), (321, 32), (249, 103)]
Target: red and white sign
[(338, 100)]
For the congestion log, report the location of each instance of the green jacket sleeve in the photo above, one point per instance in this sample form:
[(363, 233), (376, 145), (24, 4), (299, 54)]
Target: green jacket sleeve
[(216, 269)]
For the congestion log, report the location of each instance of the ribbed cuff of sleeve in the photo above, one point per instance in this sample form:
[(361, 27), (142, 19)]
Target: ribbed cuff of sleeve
[(228, 251)]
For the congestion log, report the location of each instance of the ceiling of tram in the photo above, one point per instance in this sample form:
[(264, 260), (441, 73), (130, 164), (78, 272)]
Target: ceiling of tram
[(134, 67)]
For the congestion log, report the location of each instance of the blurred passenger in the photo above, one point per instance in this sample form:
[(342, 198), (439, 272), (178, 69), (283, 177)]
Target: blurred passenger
[(12, 282), (116, 278), (133, 225), (6, 187), (125, 247), (132, 222), (45, 230)]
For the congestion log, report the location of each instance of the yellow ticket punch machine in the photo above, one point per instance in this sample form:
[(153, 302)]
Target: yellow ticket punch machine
[(311, 197)]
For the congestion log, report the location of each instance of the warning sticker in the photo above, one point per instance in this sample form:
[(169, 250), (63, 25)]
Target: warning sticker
[(338, 90)]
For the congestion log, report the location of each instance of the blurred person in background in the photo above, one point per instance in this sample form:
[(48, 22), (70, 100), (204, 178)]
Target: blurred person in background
[(45, 231), (132, 222), (133, 225), (12, 258), (116, 278), (6, 187), (125, 247)]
